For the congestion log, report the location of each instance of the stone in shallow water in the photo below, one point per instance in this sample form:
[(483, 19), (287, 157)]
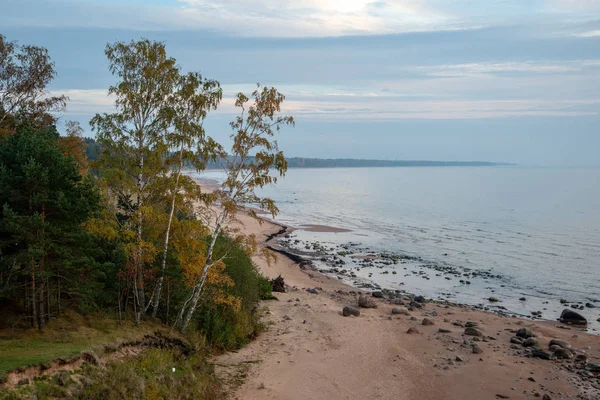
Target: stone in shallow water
[(572, 317)]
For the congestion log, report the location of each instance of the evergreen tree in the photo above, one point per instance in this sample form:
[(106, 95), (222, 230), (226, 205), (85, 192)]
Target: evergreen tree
[(44, 202)]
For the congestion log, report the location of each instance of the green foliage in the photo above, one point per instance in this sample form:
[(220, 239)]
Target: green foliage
[(147, 376), (44, 202), (224, 326)]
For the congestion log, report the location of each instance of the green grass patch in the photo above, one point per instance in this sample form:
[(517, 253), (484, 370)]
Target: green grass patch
[(65, 337)]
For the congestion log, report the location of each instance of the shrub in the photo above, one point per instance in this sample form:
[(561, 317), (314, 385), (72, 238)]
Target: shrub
[(227, 327)]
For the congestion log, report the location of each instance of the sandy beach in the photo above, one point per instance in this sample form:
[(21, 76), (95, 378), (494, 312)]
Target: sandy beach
[(310, 351)]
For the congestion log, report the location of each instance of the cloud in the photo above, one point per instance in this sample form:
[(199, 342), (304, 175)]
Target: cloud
[(368, 106), (302, 18), (589, 34)]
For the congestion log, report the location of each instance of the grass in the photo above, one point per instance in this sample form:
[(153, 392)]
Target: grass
[(66, 337)]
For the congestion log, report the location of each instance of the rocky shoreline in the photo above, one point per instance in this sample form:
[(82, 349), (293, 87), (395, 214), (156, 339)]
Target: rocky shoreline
[(346, 262)]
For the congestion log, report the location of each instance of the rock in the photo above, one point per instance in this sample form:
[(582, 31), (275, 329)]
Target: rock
[(459, 359), (350, 310), (572, 317), (563, 301), (581, 357), (398, 302), (546, 397), (473, 332), (493, 300), (419, 299), (444, 330), (476, 349), (312, 290), (590, 305), (399, 311), (563, 353), (531, 379), (592, 367), (287, 318), (525, 333), (278, 285), (377, 294), (414, 304), (427, 321), (515, 347), (366, 302), (412, 330), (516, 340), (523, 299), (560, 343), (538, 353), (530, 342)]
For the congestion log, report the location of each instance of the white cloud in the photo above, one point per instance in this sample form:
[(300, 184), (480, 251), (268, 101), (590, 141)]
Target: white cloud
[(370, 106), (589, 34)]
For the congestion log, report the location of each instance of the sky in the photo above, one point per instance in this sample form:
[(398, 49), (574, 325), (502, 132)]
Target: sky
[(490, 80)]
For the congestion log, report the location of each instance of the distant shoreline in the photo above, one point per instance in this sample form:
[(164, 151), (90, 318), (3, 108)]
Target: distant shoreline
[(301, 162)]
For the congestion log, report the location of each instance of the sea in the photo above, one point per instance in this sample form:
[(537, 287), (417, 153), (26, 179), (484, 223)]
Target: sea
[(528, 237)]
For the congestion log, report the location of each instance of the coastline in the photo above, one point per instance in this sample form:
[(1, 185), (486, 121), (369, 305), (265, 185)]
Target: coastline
[(310, 350)]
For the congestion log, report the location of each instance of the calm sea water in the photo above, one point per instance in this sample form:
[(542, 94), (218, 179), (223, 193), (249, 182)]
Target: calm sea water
[(537, 228)]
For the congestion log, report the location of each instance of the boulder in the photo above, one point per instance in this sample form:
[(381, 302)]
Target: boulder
[(419, 299), (525, 333), (350, 310), (572, 317), (399, 311), (427, 321), (378, 294), (473, 332), (563, 353), (366, 302), (538, 353), (592, 367), (516, 340), (560, 343), (530, 342)]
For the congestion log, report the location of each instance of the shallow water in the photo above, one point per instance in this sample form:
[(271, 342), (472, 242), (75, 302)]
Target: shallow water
[(537, 228)]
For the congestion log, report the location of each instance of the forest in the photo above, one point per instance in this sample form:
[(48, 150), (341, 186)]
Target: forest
[(126, 233)]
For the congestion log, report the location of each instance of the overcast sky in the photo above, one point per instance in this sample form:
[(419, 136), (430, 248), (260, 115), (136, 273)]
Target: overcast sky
[(494, 80)]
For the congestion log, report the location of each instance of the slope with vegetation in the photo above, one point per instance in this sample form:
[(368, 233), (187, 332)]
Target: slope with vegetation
[(109, 252)]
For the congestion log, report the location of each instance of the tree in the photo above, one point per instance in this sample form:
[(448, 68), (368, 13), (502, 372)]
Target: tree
[(253, 160), (44, 202), (74, 145), (188, 108), (25, 72), (133, 139)]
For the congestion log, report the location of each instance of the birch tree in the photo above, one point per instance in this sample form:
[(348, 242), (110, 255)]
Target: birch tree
[(134, 137), (194, 98), (253, 162)]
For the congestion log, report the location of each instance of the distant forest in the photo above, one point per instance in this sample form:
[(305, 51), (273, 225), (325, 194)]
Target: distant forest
[(300, 162)]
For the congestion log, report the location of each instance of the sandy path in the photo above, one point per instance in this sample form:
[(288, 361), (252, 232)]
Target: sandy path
[(309, 351)]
